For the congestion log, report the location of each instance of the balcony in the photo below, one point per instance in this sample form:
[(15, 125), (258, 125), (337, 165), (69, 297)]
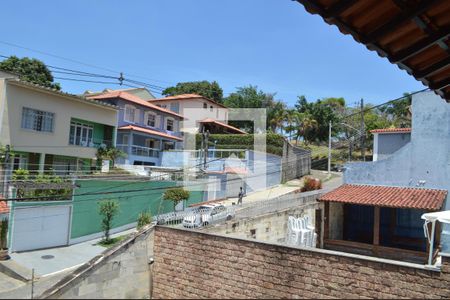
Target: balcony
[(139, 150)]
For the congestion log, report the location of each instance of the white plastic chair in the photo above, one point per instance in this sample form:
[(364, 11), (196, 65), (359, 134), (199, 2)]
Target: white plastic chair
[(291, 234), (301, 232)]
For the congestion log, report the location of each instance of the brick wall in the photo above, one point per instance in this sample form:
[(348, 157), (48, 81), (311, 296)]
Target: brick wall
[(190, 264)]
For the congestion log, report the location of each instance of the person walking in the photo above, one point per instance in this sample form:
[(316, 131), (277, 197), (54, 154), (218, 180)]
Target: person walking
[(240, 196)]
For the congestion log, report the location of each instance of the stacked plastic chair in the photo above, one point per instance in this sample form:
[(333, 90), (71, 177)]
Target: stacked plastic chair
[(300, 233)]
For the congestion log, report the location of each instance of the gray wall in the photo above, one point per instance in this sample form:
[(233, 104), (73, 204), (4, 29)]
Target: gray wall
[(388, 143), (296, 162), (424, 162), (121, 273)]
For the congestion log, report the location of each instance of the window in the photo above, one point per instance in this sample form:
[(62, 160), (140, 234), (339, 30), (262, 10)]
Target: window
[(150, 143), (205, 106), (37, 120), (81, 134), (151, 120), (125, 139), (211, 108), (20, 161), (131, 114), (169, 126)]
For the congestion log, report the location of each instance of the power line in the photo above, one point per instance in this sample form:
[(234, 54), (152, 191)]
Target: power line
[(385, 103), (140, 190), (77, 62)]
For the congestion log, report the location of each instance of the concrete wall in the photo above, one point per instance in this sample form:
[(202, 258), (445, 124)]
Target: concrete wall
[(296, 162), (385, 144), (15, 97), (191, 264), (270, 227), (424, 162), (121, 273)]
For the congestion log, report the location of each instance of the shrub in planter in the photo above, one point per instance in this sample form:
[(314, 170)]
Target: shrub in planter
[(311, 184), (144, 218)]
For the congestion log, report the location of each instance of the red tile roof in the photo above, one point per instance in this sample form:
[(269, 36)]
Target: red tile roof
[(4, 208), (186, 97), (391, 130), (212, 121), (387, 196), (150, 131), (134, 99)]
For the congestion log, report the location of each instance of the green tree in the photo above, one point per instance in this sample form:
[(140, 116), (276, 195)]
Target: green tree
[(110, 153), (399, 111), (108, 209), (322, 111), (204, 88), (251, 97), (31, 70), (176, 195)]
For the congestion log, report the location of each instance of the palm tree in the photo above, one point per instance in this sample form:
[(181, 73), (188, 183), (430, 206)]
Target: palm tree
[(305, 124)]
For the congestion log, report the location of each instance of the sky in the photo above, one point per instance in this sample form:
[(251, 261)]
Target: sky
[(273, 44)]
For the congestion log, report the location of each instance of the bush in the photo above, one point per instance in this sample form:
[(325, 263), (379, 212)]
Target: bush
[(311, 184), (176, 195), (144, 218), (108, 209)]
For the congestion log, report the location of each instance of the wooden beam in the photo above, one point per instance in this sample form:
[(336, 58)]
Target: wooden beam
[(440, 84), (421, 45), (326, 231), (405, 16), (338, 8), (433, 69), (376, 225)]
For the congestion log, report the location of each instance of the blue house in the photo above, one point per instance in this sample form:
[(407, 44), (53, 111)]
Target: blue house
[(144, 129)]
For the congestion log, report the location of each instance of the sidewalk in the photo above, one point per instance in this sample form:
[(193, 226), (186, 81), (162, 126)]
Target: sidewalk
[(328, 183), (48, 261)]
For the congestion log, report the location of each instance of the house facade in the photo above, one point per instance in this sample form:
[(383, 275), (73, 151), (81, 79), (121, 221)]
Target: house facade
[(144, 129), (387, 141), (420, 166), (200, 112), (52, 131)]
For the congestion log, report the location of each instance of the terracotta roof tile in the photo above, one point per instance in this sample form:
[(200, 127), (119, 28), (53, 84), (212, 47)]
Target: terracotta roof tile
[(387, 196), (150, 131), (132, 98), (209, 120), (4, 208), (391, 130)]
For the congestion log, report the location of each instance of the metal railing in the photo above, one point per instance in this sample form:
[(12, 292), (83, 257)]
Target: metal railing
[(139, 150), (196, 217)]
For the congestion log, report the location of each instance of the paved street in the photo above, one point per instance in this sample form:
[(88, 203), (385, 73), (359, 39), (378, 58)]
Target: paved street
[(328, 183)]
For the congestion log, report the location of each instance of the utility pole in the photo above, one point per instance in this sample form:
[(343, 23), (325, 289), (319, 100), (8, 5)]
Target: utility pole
[(205, 149), (363, 132), (329, 148)]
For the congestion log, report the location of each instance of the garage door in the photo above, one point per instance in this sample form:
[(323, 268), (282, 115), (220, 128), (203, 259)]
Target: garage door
[(40, 227)]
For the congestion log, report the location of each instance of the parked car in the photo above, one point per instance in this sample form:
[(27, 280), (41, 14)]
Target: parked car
[(207, 214)]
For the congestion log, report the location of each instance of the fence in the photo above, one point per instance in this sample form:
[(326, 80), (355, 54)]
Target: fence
[(195, 217)]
